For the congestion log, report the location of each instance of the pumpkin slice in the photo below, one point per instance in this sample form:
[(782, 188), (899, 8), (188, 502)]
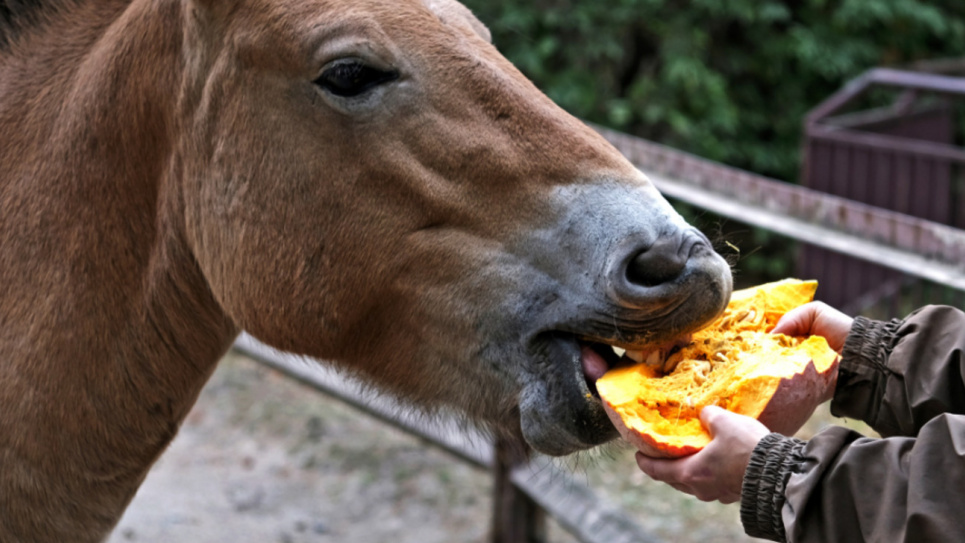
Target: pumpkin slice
[(734, 363)]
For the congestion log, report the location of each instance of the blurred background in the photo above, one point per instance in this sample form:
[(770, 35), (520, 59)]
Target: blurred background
[(733, 82)]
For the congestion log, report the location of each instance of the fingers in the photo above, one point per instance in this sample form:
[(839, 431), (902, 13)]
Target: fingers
[(666, 471), (717, 471), (816, 319), (687, 475), (658, 469)]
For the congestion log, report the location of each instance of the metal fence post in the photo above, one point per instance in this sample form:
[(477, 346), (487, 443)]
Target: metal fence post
[(516, 517)]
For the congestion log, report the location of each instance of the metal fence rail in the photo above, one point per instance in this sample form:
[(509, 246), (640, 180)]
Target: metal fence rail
[(908, 244), (529, 487)]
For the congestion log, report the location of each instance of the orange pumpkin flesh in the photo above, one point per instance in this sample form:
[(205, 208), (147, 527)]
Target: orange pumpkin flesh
[(734, 363)]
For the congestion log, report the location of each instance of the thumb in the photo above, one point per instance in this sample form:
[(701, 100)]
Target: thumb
[(719, 420), (712, 417), (729, 425), (796, 322)]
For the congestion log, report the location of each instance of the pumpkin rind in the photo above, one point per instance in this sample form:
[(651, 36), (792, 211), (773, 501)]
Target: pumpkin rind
[(735, 363)]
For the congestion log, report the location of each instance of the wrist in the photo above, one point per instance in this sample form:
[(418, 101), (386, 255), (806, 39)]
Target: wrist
[(762, 493)]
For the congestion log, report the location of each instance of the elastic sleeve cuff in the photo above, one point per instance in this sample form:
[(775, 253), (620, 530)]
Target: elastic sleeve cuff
[(762, 495), (869, 341), (863, 371)]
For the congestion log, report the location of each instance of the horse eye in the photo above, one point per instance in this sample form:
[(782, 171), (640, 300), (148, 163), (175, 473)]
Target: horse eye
[(350, 78)]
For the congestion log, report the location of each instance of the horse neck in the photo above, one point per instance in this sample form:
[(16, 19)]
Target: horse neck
[(108, 329)]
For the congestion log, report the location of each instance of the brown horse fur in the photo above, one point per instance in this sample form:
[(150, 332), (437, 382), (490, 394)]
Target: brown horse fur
[(171, 173)]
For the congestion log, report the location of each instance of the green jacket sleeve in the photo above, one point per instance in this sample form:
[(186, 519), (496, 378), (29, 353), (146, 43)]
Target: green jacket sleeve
[(905, 379)]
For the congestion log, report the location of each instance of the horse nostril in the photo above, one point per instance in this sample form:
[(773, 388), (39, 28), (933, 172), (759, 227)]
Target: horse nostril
[(647, 275), (660, 263)]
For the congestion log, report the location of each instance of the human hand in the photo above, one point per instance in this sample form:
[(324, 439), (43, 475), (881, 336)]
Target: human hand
[(717, 471), (816, 319)]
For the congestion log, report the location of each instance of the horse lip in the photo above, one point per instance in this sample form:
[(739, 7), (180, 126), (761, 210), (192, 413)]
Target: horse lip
[(572, 411), (558, 350), (615, 326)]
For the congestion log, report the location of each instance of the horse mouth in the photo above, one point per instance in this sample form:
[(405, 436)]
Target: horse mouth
[(597, 358), (562, 411), (572, 341)]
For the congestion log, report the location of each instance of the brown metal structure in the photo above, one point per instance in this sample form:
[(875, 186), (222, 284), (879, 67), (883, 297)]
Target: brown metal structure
[(913, 246), (900, 157)]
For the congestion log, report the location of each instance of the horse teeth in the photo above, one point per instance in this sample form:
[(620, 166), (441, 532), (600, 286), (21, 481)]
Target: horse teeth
[(636, 356), (655, 359), (619, 351)]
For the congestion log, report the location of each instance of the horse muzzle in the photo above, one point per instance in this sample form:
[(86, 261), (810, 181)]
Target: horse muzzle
[(620, 269)]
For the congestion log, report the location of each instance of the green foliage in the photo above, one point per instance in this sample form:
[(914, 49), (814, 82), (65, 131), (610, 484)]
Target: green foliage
[(728, 80), (731, 80)]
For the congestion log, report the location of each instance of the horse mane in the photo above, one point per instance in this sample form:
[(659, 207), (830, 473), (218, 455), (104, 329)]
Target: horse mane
[(16, 16)]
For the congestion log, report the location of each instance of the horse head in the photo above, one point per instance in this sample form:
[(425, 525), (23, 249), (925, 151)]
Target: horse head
[(373, 184), (370, 183)]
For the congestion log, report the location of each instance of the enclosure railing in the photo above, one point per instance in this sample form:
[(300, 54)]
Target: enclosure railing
[(526, 489), (888, 138), (912, 245)]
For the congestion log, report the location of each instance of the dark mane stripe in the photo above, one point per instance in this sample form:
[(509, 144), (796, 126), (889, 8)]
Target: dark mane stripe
[(17, 16)]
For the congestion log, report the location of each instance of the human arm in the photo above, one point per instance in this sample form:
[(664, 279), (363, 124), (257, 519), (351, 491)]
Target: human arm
[(905, 379), (899, 377)]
